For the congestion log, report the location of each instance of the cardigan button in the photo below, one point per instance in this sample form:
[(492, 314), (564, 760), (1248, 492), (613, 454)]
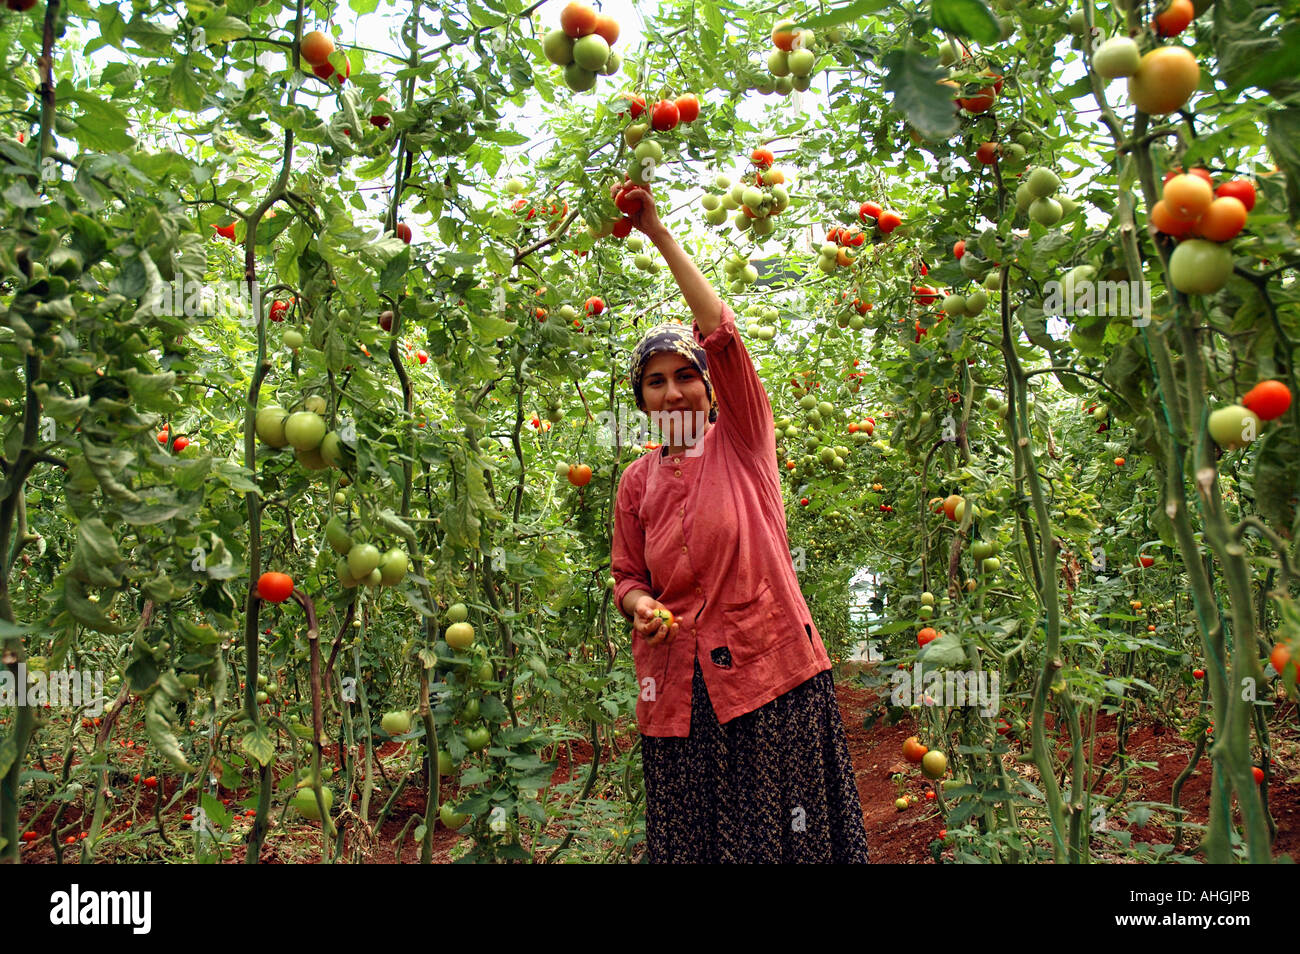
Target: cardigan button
[(677, 473)]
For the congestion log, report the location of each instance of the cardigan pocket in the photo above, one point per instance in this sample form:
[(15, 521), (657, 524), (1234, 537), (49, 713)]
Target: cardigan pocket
[(755, 627)]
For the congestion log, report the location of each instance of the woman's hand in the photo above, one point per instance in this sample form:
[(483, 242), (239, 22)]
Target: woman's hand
[(647, 219), (705, 305), (649, 626)]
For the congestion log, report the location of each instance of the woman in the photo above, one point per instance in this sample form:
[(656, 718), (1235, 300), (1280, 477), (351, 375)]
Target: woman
[(743, 747)]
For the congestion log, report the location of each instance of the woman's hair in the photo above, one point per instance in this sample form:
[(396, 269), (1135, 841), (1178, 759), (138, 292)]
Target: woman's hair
[(673, 338)]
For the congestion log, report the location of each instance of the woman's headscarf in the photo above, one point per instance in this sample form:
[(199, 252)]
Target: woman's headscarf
[(676, 338)]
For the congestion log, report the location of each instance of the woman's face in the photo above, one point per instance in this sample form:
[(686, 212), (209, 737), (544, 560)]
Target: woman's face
[(675, 397)]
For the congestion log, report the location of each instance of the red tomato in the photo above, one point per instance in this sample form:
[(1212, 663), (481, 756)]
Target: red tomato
[(981, 102), (888, 221), (664, 115), (688, 107), (622, 228), (635, 104), (987, 153), (869, 210), (1258, 772), (959, 248), (180, 444), (1268, 400), (1174, 19), (926, 635), (579, 475), (404, 232), (226, 231), (595, 306), (275, 587), (803, 501), (628, 201), (422, 357), (762, 157), (1243, 190), (1279, 657)]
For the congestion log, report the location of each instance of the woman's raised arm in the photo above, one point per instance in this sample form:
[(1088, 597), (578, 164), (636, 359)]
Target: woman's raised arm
[(700, 296)]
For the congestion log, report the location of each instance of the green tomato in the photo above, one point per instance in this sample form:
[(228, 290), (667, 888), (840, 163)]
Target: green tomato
[(579, 79), (1198, 267), (477, 738), (397, 722), (459, 612), (590, 52), (1045, 211), (392, 566), (1233, 426), (1042, 182), (558, 47), (337, 536), (451, 819), (459, 636), (269, 424), (304, 430), (446, 765), (331, 449), (362, 558), (304, 801), (1119, 56)]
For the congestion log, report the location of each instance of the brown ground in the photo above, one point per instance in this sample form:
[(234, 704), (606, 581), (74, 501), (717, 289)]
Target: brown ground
[(894, 836)]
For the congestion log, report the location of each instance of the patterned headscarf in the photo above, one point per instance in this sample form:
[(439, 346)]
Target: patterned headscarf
[(676, 338)]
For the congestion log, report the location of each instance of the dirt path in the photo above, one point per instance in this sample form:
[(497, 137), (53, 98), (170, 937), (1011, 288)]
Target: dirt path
[(898, 837)]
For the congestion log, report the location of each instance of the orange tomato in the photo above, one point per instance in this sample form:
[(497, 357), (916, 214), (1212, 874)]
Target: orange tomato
[(607, 27), (1222, 221), (1166, 222), (578, 19), (316, 48), (1187, 197), (1280, 657), (913, 750)]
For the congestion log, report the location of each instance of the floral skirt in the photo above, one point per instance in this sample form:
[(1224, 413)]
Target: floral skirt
[(775, 785)]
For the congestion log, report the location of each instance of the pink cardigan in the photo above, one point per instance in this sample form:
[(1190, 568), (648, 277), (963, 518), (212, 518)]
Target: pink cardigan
[(705, 534)]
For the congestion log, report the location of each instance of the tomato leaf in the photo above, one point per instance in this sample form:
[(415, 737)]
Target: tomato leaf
[(259, 745), (914, 81), (1284, 143), (838, 15), (966, 18), (945, 652), (1277, 476)]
